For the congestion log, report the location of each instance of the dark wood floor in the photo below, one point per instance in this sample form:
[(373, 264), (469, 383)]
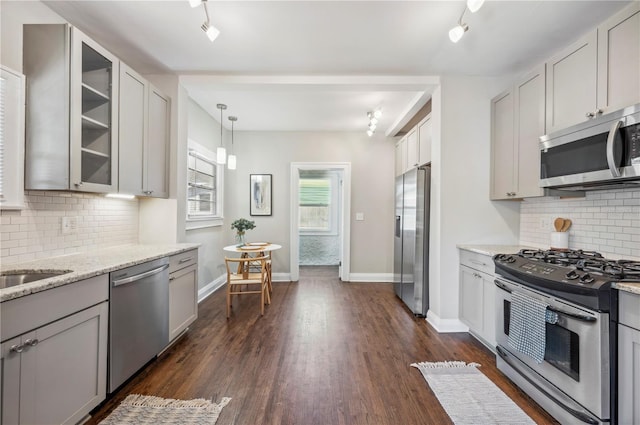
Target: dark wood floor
[(325, 352)]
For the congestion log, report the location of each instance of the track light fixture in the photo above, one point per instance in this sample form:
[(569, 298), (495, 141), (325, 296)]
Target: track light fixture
[(474, 5), (456, 33), (221, 152), (211, 31), (374, 118)]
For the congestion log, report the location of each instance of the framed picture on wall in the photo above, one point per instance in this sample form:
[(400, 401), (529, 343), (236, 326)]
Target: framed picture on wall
[(260, 191)]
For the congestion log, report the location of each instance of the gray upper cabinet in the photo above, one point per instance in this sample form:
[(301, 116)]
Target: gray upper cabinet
[(72, 111), (517, 122), (424, 140), (529, 115), (598, 74), (144, 136), (156, 159), (502, 147), (619, 60), (571, 84)]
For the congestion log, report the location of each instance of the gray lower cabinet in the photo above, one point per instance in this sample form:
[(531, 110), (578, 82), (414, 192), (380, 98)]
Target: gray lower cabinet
[(56, 372), (629, 359), (477, 296), (183, 292)]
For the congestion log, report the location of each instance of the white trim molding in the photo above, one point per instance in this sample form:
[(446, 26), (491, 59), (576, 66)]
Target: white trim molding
[(371, 277), (211, 287), (345, 219), (445, 325)]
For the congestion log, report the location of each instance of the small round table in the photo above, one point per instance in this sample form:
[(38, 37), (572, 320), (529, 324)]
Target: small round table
[(252, 248), (257, 249)]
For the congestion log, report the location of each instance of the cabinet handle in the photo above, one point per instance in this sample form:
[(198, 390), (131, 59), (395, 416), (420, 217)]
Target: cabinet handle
[(480, 263), (32, 342), (184, 260), (17, 348), (171, 278), (148, 192)]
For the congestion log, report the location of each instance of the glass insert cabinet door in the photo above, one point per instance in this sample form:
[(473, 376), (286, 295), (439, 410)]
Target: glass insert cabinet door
[(94, 120)]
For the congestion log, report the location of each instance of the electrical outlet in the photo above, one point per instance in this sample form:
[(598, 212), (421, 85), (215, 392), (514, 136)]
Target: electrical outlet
[(545, 223), (69, 225)]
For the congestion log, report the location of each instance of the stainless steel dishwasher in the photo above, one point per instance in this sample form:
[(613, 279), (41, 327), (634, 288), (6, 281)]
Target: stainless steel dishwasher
[(138, 318)]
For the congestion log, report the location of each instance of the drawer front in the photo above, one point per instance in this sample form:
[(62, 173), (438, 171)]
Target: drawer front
[(182, 260), (26, 313), (630, 309), (480, 262)]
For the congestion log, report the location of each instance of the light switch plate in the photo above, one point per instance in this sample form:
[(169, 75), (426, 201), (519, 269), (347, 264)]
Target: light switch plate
[(359, 216)]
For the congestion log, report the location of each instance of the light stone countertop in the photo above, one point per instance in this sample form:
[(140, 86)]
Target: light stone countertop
[(634, 288), (492, 250), (86, 265)]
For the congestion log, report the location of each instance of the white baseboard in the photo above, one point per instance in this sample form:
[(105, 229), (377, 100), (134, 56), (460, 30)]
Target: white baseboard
[(445, 325), (371, 277), (281, 277), (212, 287)]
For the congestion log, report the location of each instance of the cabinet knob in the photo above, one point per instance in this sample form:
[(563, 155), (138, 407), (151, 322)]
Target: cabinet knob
[(78, 184), (17, 348), (148, 192), (599, 111), (590, 115), (32, 342)]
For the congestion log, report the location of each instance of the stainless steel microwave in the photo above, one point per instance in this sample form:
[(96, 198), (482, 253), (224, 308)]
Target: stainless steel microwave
[(601, 153)]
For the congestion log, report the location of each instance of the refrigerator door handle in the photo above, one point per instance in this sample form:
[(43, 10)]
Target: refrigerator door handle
[(398, 227)]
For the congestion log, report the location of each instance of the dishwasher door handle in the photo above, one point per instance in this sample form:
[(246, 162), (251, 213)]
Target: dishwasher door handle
[(139, 276)]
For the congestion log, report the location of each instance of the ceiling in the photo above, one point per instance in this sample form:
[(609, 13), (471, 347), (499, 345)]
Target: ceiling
[(321, 65)]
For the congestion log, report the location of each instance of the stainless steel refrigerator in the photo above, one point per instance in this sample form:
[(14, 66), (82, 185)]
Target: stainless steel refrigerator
[(411, 241)]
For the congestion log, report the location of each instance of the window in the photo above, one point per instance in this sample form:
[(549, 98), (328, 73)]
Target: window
[(204, 188), (318, 203)]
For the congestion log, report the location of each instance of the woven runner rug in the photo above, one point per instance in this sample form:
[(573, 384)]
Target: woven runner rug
[(469, 397), (140, 409)]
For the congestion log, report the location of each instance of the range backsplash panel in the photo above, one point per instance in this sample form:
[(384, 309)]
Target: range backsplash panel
[(607, 221)]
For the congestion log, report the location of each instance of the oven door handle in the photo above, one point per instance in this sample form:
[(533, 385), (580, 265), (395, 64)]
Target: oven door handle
[(573, 412), (502, 286), (581, 317)]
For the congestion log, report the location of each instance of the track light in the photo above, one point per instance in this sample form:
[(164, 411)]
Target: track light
[(474, 5), (211, 31), (456, 33), (374, 118)]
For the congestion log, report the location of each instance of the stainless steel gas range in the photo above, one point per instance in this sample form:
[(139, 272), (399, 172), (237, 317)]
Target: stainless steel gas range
[(558, 304)]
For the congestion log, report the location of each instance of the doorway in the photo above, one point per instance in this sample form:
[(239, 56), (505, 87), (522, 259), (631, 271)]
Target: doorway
[(320, 210)]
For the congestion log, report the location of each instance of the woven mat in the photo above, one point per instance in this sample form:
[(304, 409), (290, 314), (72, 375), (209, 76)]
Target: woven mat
[(469, 397), (141, 409)]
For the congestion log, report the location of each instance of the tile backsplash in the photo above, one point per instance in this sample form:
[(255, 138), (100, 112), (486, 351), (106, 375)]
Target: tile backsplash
[(606, 221), (36, 231)]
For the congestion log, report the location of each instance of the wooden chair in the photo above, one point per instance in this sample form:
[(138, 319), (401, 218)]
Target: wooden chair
[(241, 280)]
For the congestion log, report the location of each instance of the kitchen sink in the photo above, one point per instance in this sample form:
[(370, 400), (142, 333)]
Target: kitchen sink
[(18, 277)]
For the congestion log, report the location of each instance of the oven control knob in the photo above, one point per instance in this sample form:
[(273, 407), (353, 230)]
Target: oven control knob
[(586, 278), (571, 275), (506, 258)]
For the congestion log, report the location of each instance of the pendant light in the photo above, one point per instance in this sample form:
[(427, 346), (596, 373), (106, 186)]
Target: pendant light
[(221, 152), (231, 164)]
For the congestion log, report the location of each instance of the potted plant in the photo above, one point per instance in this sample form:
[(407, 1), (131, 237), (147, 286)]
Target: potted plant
[(241, 225)]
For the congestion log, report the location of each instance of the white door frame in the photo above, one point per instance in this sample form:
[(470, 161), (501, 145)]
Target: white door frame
[(345, 222)]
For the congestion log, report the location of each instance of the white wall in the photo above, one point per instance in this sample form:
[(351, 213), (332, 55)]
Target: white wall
[(461, 210), (372, 189)]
